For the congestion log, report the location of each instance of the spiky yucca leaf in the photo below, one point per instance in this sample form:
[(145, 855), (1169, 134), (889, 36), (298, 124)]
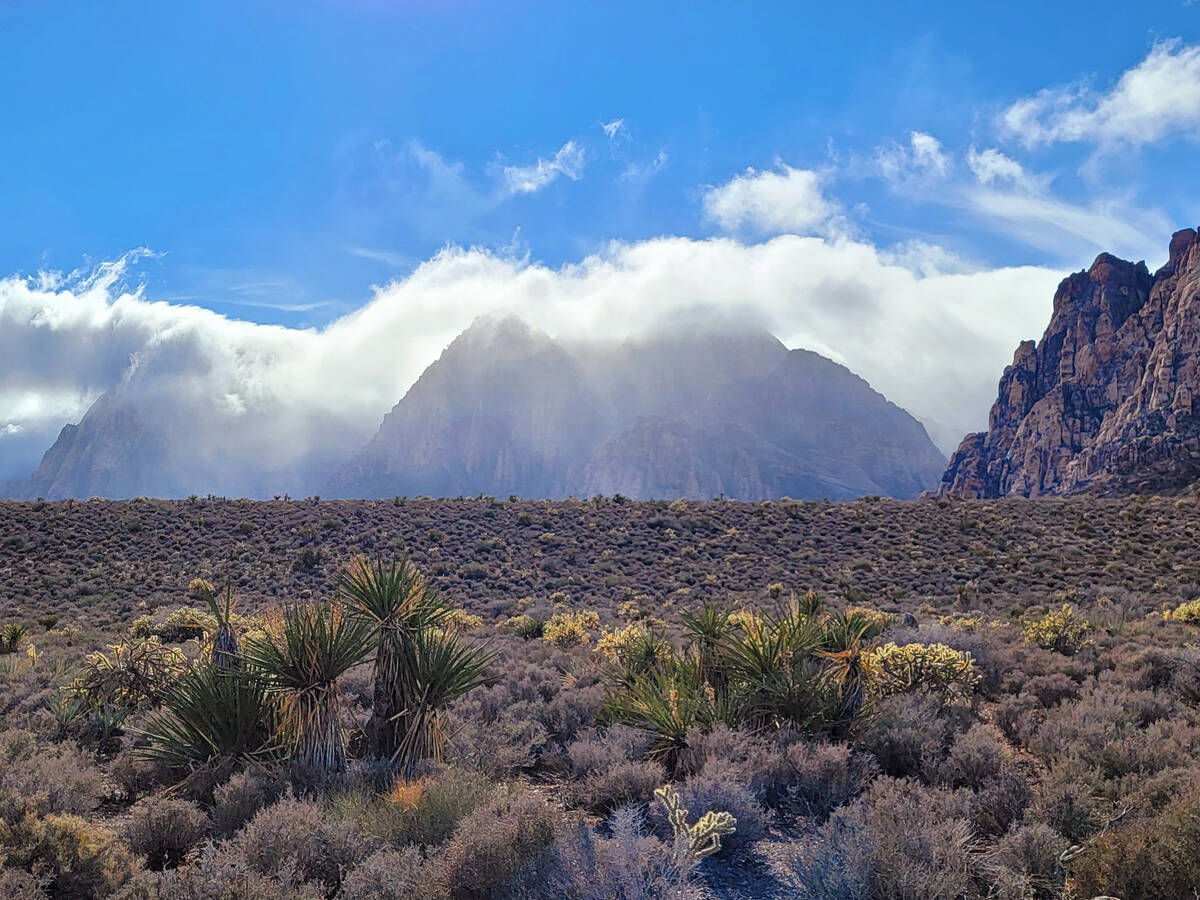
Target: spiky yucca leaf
[(445, 669), (209, 718), (393, 594), (301, 654), (668, 700), (396, 598)]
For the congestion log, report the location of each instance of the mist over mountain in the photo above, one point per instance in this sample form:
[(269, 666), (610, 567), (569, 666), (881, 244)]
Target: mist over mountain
[(698, 413)]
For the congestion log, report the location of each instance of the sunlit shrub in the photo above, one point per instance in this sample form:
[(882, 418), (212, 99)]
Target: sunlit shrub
[(1185, 612), (81, 859), (1061, 630), (934, 668), (565, 630)]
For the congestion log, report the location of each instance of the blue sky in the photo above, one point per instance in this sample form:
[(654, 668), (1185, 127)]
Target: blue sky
[(269, 150), (898, 186)]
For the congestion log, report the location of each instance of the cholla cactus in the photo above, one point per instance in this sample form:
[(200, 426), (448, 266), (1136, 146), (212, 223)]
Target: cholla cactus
[(699, 840), (895, 669)]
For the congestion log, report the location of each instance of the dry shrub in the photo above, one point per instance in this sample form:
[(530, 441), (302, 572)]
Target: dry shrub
[(901, 840), (1153, 857), (165, 830), (17, 884), (908, 734), (40, 779), (826, 776), (219, 874), (237, 800), (422, 812), (394, 875), (493, 843), (301, 838), (79, 859)]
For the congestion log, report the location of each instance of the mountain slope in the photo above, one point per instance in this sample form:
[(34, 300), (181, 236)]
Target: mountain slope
[(1106, 399), (698, 414)]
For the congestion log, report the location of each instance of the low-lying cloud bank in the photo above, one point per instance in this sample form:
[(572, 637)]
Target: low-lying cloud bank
[(932, 340)]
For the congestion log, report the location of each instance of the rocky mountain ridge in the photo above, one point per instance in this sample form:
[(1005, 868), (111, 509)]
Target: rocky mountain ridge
[(1106, 399)]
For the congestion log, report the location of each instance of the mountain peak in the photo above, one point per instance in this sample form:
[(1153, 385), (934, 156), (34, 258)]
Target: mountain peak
[(1105, 399), (695, 412)]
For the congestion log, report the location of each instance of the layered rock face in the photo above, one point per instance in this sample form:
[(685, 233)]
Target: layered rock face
[(1105, 400), (507, 410)]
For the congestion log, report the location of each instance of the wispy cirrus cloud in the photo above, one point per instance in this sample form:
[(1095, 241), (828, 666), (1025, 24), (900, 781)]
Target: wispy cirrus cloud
[(567, 162)]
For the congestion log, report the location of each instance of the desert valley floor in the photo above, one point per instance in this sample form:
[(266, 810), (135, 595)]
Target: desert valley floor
[(1030, 727)]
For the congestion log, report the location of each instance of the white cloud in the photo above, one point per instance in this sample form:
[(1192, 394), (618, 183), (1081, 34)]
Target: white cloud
[(1023, 204), (640, 173), (787, 200), (921, 161), (296, 403), (1157, 98), (615, 130), (567, 161), (990, 166)]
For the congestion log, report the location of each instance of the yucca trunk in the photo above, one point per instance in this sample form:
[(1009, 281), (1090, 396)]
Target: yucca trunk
[(226, 652), (394, 710), (320, 743)]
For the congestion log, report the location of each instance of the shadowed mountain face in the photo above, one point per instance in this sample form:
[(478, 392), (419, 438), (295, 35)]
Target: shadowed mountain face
[(1107, 399), (507, 410)]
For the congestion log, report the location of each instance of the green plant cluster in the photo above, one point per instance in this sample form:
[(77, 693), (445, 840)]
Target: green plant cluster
[(936, 668), (801, 667), (1061, 630)]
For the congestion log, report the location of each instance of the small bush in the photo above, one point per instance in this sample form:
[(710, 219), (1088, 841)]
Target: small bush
[(17, 884), (394, 875), (1185, 612), (238, 800), (164, 831), (494, 842), (603, 790), (908, 734), (1060, 630), (1153, 857), (299, 836), (424, 811), (524, 626), (80, 859), (934, 668), (826, 776), (565, 630), (40, 780)]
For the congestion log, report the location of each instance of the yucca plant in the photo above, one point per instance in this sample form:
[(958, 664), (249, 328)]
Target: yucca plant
[(445, 669), (212, 723), (710, 628), (11, 636), (776, 670), (300, 656), (226, 651), (397, 602), (667, 701)]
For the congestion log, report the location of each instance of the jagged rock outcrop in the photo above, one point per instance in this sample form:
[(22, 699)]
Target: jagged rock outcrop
[(507, 410), (1105, 400)]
